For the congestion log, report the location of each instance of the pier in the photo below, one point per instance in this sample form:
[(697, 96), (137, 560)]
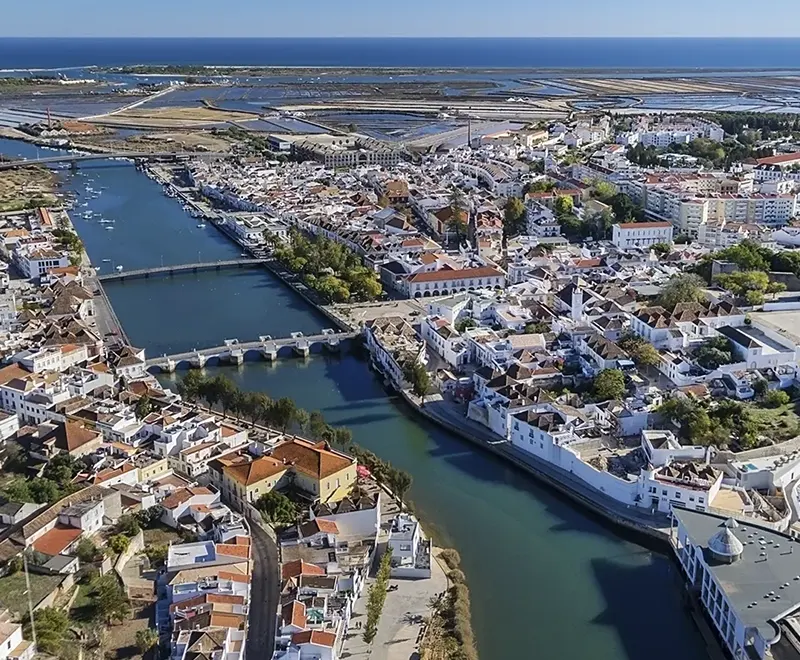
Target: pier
[(234, 352), (144, 273)]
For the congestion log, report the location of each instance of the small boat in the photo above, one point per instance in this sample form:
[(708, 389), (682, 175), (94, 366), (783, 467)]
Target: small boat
[(105, 221), (119, 269), (106, 260), (202, 225), (109, 228)]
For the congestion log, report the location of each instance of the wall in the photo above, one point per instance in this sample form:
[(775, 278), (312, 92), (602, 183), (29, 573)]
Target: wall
[(136, 546), (355, 523), (55, 594)]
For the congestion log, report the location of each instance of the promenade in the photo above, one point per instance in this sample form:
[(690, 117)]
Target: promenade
[(452, 417)]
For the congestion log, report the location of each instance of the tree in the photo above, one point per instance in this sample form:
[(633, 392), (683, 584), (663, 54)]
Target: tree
[(750, 284), (146, 639), (317, 425), (342, 437), (776, 399), (276, 508), (18, 491), (52, 625), (377, 597), (44, 490), (538, 328), (774, 288), (87, 551), (416, 374), (715, 352), (128, 525), (119, 543), (144, 406), (563, 205), (302, 419), (157, 554), (463, 324), (684, 288), (191, 386), (760, 387), (61, 469), (399, 483), (283, 412), (609, 384), (661, 249), (641, 351), (513, 217), (227, 393), (603, 190), (110, 600)]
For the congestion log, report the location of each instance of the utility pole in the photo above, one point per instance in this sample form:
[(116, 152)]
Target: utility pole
[(30, 602)]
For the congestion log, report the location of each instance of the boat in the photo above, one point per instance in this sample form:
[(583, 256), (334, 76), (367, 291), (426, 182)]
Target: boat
[(119, 269), (106, 260), (109, 227), (202, 225), (105, 221)]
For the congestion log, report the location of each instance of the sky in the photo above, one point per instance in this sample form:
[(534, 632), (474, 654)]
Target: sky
[(421, 18)]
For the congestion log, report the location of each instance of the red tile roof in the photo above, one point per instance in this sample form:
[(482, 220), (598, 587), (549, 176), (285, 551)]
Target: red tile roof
[(56, 540), (319, 637), (464, 273), (299, 567)]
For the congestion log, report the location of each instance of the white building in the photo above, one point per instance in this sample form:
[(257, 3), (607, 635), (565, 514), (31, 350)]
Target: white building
[(745, 576), (34, 261), (444, 282), (633, 235), (411, 551)]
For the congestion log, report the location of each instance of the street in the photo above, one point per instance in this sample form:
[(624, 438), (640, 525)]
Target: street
[(264, 586)]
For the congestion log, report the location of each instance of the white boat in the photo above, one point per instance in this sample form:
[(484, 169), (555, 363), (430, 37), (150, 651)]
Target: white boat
[(109, 227), (105, 221), (202, 225), (119, 269), (106, 260)]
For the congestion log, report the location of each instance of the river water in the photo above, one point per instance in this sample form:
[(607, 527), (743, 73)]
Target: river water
[(547, 580)]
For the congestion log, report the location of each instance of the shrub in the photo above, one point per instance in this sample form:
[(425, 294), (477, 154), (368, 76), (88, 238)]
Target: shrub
[(456, 576), (776, 399), (451, 557), (119, 543)]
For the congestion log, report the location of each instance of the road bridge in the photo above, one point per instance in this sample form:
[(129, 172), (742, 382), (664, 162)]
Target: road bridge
[(234, 351), (78, 157), (143, 273)]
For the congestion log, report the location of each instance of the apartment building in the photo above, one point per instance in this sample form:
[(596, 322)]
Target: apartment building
[(637, 235)]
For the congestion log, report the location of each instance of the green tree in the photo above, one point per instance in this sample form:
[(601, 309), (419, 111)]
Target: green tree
[(609, 384), (641, 351), (463, 324), (282, 413), (377, 597), (760, 387), (52, 625), (749, 284), (87, 551), (119, 543), (513, 217), (317, 425), (109, 598), (44, 491), (144, 406), (417, 375), (191, 386), (302, 420), (276, 508), (458, 214), (563, 205), (538, 328), (61, 469), (146, 639), (684, 288), (661, 249), (776, 399), (342, 437), (399, 483), (128, 525), (227, 393), (715, 352), (603, 190), (18, 491)]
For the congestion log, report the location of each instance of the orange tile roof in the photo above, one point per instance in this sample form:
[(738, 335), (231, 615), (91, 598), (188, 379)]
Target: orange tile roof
[(319, 637), (234, 577), (294, 614), (315, 460), (299, 567), (56, 540), (11, 372), (255, 471), (643, 225), (464, 273), (242, 551), (227, 620)]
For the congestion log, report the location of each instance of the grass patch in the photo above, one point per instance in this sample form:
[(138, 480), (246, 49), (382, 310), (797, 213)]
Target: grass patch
[(13, 587), (161, 535), (778, 424)]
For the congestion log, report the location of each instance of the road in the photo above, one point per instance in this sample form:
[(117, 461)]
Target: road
[(264, 587)]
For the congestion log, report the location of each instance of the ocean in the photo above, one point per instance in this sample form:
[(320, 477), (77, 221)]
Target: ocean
[(539, 53)]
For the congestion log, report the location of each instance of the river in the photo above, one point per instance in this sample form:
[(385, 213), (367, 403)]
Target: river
[(547, 580)]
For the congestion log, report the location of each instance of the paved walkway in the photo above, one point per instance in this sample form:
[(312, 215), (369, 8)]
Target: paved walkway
[(452, 415), (399, 629)]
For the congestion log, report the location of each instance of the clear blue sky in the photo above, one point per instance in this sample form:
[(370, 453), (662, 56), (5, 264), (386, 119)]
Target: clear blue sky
[(347, 18)]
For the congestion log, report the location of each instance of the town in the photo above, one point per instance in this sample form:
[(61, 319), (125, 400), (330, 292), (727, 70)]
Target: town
[(608, 303)]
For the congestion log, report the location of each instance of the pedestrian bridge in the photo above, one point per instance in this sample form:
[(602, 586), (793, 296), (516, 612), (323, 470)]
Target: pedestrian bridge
[(78, 157), (234, 351), (179, 268)]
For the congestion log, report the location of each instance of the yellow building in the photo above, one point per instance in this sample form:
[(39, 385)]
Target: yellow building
[(322, 472)]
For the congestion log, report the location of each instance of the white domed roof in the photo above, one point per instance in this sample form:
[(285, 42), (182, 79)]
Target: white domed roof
[(724, 545)]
